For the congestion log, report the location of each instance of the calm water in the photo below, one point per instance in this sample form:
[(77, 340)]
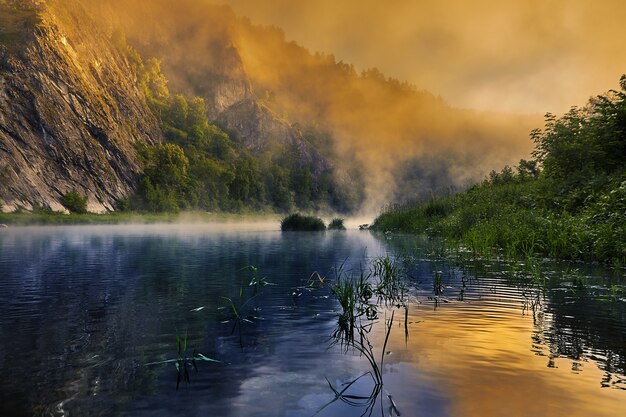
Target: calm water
[(83, 310)]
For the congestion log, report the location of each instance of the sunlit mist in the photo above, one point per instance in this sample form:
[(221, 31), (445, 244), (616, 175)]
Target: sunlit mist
[(516, 56)]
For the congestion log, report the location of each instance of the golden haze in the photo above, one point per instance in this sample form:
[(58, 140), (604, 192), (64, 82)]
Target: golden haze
[(381, 125), (530, 56)]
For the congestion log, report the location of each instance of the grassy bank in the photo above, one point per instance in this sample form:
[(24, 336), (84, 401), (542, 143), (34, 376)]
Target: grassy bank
[(51, 218), (568, 202), (511, 219)]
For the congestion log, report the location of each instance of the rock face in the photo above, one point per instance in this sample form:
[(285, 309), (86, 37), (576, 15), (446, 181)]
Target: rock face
[(260, 130), (71, 111)]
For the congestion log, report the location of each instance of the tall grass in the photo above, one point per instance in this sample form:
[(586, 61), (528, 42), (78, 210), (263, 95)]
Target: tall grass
[(362, 298), (516, 220)]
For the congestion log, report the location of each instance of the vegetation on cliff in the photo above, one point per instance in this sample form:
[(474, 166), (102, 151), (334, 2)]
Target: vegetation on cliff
[(568, 202), (202, 167)]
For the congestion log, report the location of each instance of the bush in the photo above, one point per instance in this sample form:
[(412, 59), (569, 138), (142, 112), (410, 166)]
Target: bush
[(75, 202), (336, 224), (299, 222)]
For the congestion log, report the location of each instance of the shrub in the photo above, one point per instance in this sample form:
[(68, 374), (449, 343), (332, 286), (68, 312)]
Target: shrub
[(75, 202), (336, 224), (302, 223)]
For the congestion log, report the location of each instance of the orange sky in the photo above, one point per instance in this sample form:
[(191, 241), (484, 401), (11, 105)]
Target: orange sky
[(514, 56)]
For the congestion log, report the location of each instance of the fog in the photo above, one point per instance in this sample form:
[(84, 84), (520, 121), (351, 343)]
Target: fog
[(530, 56), (479, 76)]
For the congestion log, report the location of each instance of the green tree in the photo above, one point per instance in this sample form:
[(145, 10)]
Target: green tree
[(165, 182), (75, 202)]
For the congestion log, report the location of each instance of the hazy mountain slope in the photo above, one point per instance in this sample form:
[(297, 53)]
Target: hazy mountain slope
[(70, 109), (384, 126)]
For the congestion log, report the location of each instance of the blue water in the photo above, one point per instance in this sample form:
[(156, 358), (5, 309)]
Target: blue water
[(85, 310)]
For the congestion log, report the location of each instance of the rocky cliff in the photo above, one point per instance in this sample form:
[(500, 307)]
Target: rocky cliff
[(71, 112)]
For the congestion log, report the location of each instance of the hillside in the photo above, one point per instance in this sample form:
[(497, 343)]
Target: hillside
[(409, 141)]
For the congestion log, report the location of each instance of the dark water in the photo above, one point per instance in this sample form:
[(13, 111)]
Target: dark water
[(84, 309)]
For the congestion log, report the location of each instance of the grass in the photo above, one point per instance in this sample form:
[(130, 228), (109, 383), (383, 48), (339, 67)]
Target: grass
[(184, 361), (355, 294), (515, 220), (46, 217), (299, 222)]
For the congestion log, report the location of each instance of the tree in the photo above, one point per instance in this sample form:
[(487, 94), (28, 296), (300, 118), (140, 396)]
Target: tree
[(75, 202), (164, 184)]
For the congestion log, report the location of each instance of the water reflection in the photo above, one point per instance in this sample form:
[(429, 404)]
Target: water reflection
[(82, 310)]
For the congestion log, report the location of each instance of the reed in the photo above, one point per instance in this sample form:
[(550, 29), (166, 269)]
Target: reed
[(184, 361), (358, 314)]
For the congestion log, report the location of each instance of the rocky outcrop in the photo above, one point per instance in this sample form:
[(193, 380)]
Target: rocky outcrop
[(260, 131), (199, 54), (71, 112)]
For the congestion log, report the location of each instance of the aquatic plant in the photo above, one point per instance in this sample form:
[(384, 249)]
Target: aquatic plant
[(299, 222), (355, 294), (239, 306), (438, 283), (389, 288), (184, 361), (336, 224)]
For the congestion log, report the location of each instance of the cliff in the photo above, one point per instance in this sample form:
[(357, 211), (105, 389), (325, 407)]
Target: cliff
[(71, 112)]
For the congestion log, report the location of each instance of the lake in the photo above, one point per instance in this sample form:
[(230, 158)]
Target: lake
[(122, 321)]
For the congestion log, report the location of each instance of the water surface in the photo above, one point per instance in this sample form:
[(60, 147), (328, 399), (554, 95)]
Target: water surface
[(84, 309)]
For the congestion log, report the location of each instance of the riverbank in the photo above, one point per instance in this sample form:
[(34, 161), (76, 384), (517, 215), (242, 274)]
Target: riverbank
[(568, 202), (517, 217), (26, 218)]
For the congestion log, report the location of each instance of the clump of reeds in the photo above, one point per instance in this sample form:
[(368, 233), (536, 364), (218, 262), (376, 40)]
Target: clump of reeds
[(336, 224), (299, 222), (362, 297)]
